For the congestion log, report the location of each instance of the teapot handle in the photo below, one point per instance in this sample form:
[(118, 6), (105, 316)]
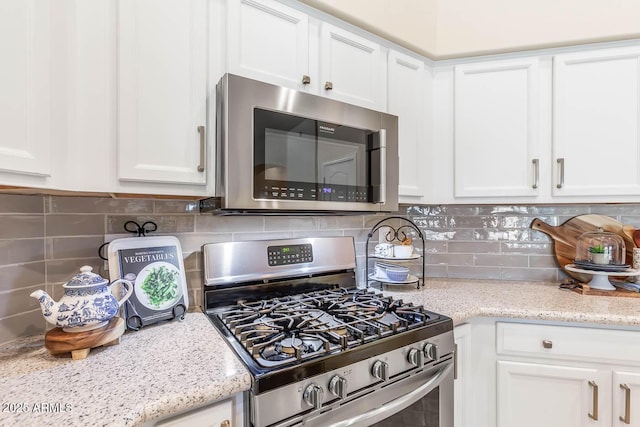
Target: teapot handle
[(129, 287)]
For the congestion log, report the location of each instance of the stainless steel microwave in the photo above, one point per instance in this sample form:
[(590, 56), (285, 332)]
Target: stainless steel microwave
[(282, 150)]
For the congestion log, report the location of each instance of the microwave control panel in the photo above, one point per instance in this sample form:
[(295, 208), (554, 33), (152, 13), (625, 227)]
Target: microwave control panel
[(302, 191)]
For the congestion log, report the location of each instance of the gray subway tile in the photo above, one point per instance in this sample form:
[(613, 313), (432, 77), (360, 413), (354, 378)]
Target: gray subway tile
[(21, 226), (526, 248), (499, 235), (543, 261), (449, 259), (474, 272), (338, 222), (74, 225), (483, 221), (23, 250), (18, 301), (212, 223), (65, 204), (191, 260), (21, 325), (474, 247), (291, 223), (15, 203), (501, 260), (22, 275), (75, 247), (437, 271), (529, 274)]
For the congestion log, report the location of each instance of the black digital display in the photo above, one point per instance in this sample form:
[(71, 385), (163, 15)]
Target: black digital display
[(289, 254)]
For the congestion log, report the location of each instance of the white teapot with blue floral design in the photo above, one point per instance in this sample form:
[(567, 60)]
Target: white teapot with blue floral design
[(87, 302)]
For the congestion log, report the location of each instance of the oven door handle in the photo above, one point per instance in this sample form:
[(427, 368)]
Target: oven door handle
[(400, 403)]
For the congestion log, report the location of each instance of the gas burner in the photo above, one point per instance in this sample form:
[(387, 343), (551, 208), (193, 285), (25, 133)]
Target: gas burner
[(290, 345)]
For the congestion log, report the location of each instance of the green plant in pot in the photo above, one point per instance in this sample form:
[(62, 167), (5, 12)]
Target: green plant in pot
[(599, 254)]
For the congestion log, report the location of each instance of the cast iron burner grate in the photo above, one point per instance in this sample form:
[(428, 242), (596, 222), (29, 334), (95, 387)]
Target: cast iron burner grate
[(290, 329)]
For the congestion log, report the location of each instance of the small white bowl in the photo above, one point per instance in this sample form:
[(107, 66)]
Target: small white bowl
[(402, 251)]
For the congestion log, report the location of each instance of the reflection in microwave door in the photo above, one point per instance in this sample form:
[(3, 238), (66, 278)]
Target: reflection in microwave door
[(270, 172)]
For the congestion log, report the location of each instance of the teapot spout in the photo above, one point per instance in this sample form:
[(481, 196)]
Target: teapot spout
[(47, 305)]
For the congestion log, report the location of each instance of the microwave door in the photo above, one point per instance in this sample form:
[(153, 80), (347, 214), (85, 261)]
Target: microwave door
[(378, 166)]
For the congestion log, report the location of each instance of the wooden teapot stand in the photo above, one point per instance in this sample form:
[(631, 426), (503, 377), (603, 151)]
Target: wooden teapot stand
[(79, 344)]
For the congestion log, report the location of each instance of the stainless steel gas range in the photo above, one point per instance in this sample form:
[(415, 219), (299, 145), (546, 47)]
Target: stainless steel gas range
[(322, 352)]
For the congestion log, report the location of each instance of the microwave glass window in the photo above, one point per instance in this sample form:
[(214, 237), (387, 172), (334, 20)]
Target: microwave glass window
[(305, 159)]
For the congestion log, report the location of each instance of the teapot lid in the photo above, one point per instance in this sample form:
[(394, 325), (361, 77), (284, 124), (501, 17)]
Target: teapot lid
[(85, 278)]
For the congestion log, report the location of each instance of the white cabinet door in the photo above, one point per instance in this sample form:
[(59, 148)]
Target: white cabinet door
[(626, 399), (534, 395), (215, 415), (162, 90), (268, 41), (596, 122), (463, 394), (406, 99), (496, 129), (352, 68), (25, 86)]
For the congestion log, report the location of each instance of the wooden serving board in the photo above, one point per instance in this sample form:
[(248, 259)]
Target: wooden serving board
[(584, 289), (59, 342), (566, 235)]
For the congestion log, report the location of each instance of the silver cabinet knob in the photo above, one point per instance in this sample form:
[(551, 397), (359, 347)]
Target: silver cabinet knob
[(338, 386), (415, 357), (313, 396), (380, 370), (306, 80), (328, 85), (431, 352)]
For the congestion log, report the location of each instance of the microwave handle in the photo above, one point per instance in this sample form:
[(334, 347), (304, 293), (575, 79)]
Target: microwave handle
[(382, 140)]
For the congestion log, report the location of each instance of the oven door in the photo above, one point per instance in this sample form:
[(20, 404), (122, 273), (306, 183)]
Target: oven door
[(424, 398), (302, 159)]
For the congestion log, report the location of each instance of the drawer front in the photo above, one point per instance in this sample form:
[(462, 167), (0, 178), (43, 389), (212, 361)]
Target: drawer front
[(567, 342)]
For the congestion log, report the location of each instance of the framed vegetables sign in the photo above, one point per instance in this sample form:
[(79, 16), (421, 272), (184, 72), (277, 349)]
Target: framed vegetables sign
[(156, 268)]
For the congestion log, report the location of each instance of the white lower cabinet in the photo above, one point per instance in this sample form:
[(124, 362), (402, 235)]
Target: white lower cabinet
[(563, 376), (537, 394), (218, 414)]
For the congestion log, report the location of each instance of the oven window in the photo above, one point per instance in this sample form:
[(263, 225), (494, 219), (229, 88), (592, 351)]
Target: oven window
[(300, 158), (424, 413)]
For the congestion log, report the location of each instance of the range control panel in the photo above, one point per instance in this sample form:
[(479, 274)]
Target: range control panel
[(289, 254)]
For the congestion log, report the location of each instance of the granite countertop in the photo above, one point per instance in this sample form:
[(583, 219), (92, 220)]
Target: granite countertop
[(464, 299), (160, 370), (169, 368)]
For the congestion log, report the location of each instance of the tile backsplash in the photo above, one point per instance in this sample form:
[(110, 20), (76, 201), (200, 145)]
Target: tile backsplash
[(45, 239)]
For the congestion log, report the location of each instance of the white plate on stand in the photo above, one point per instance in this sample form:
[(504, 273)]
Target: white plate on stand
[(600, 279), (410, 279), (392, 258)]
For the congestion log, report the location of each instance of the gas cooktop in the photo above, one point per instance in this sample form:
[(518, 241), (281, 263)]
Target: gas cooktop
[(295, 328)]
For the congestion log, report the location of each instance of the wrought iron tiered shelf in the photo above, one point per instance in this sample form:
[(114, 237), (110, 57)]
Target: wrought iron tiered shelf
[(395, 233)]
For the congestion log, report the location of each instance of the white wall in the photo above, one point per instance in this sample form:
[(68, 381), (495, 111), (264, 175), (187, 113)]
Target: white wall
[(455, 28)]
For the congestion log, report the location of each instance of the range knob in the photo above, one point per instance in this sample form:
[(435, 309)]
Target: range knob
[(338, 386), (380, 370), (313, 396), (431, 352), (415, 357)]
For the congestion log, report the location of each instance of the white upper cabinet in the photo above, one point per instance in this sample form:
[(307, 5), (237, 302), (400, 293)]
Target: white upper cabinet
[(162, 91), (25, 87), (596, 122), (407, 98), (352, 68), (496, 143), (268, 41)]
